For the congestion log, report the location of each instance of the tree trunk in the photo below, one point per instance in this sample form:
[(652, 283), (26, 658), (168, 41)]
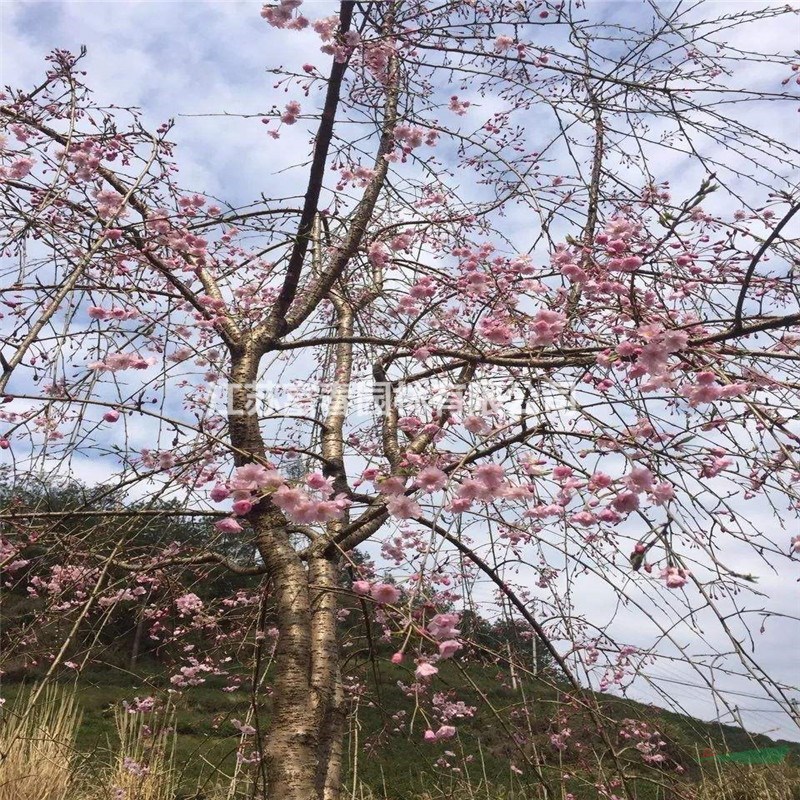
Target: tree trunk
[(304, 742), (328, 692), (303, 748), (137, 640)]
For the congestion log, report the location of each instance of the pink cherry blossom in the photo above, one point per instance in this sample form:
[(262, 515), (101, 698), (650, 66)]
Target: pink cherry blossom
[(242, 507), (675, 577), (545, 327), (254, 477), (495, 330), (449, 648), (490, 475), (458, 106), (431, 479), (640, 479), (291, 112), (394, 485), (443, 626), (219, 493), (318, 482), (662, 493), (626, 501), (503, 43), (228, 525), (385, 593), (326, 27), (425, 670), (402, 507), (188, 604)]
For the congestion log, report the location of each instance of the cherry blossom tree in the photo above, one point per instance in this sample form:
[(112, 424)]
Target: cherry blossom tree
[(489, 345)]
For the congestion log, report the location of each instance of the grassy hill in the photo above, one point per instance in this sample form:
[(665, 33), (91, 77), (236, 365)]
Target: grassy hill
[(385, 752)]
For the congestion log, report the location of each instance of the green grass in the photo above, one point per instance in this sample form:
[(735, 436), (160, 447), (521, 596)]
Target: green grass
[(400, 767)]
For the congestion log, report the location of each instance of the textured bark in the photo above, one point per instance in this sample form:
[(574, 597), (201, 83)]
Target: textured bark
[(291, 747), (327, 693), (303, 745)]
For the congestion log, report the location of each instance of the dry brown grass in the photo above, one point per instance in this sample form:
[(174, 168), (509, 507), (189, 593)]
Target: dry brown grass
[(741, 782), (145, 763), (37, 748)]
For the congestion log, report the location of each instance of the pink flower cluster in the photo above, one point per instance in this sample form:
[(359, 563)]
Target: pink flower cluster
[(431, 479), (326, 27), (96, 312), (495, 330), (503, 43), (86, 156), (191, 675), (402, 241), (617, 240), (707, 390), (109, 204), (447, 709), (310, 505), (291, 113), (19, 168), (458, 106), (378, 255), (139, 706), (280, 16), (377, 57), (393, 487), (134, 767), (425, 670), (474, 280), (67, 578), (180, 239), (675, 577), (545, 327), (359, 176), (488, 482), (442, 628), (383, 593), (8, 551), (559, 739), (188, 604), (652, 357), (640, 480), (115, 362), (444, 732), (648, 742), (409, 137)]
